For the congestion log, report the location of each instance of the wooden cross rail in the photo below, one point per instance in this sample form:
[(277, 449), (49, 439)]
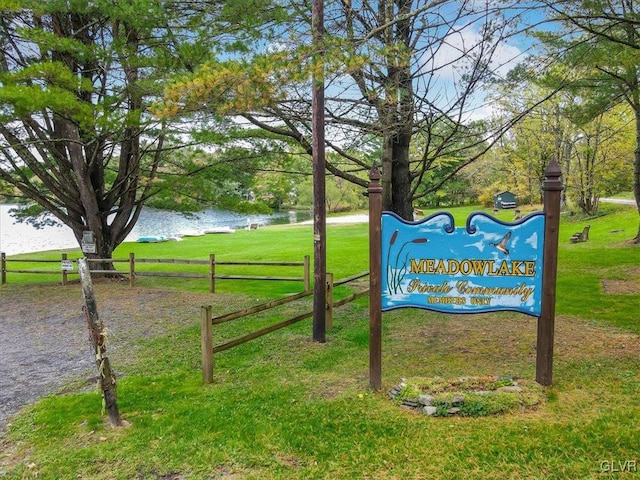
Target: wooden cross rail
[(207, 321), (132, 272)]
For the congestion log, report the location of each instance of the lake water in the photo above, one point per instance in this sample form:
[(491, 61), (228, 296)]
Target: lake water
[(23, 238)]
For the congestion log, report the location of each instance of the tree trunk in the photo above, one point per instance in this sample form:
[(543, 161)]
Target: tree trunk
[(401, 174), (97, 334), (396, 176), (636, 169), (386, 173), (101, 247), (397, 193)]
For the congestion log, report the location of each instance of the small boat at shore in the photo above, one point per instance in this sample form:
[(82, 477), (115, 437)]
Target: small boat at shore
[(152, 239), (191, 233), (224, 229)]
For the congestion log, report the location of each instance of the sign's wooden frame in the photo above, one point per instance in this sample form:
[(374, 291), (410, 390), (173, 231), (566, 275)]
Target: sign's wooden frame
[(545, 311)]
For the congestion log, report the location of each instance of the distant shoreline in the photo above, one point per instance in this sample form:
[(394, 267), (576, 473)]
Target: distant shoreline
[(355, 218)]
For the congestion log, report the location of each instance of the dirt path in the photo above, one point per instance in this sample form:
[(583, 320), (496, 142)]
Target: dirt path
[(621, 201), (44, 340)]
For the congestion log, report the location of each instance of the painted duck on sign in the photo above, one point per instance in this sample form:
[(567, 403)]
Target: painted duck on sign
[(502, 244)]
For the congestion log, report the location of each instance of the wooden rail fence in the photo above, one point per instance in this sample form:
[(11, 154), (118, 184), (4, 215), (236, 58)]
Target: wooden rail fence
[(66, 268), (208, 321)]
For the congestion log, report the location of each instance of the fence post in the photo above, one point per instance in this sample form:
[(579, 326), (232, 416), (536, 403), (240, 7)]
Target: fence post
[(98, 341), (3, 267), (307, 273), (207, 344), (329, 320), (132, 269), (64, 271), (212, 273)]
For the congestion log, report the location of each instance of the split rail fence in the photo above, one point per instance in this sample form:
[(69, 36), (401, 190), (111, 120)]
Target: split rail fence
[(208, 321), (66, 268)]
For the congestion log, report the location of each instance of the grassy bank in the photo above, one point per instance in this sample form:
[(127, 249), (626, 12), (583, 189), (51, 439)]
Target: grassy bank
[(283, 407)]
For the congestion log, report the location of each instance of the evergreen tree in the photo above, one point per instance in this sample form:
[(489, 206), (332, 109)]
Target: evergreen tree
[(77, 80)]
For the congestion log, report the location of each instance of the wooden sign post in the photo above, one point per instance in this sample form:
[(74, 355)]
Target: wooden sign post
[(375, 310), (546, 322)]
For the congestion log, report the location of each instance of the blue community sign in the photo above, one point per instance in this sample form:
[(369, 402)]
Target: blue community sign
[(485, 266)]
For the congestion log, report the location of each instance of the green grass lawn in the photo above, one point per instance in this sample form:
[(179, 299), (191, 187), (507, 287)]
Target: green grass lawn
[(284, 407)]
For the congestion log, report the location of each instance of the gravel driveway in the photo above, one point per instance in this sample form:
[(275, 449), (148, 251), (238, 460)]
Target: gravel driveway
[(44, 341)]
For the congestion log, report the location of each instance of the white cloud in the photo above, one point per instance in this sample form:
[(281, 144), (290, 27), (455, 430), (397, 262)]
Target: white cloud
[(452, 59), (464, 41)]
